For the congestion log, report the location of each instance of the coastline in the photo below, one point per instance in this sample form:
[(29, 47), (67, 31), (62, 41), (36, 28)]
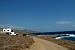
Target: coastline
[(67, 37), (23, 42), (65, 43)]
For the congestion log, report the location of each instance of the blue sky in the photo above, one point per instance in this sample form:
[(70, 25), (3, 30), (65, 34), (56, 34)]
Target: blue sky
[(38, 15)]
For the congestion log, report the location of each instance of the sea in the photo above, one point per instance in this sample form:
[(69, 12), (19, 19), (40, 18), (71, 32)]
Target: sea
[(69, 37)]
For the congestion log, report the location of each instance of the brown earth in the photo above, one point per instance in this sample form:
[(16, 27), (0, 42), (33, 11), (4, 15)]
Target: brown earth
[(41, 44), (23, 42), (65, 43), (8, 42)]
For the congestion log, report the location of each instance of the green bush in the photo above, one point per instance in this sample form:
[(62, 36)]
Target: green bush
[(24, 34)]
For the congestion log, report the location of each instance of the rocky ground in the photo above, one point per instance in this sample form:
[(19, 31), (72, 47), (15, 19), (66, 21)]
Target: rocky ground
[(65, 43), (8, 42)]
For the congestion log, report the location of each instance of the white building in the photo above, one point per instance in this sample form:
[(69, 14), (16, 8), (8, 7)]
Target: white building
[(9, 31)]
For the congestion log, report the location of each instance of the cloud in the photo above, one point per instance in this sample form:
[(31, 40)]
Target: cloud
[(63, 22), (10, 26), (73, 25)]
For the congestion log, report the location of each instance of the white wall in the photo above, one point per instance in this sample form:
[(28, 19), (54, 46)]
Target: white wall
[(4, 30), (12, 33), (7, 30)]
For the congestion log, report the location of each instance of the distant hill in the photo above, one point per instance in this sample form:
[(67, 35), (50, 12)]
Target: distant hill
[(25, 31), (1, 29)]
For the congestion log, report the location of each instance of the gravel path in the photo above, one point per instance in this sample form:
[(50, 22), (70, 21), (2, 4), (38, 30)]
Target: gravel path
[(41, 44)]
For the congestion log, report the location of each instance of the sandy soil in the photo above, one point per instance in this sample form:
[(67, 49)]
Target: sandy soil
[(41, 44), (65, 43), (8, 42)]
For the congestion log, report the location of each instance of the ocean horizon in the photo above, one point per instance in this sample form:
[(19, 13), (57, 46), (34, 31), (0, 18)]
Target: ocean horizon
[(71, 37)]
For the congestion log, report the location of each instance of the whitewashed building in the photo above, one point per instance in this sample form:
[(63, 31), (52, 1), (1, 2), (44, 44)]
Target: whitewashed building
[(9, 31)]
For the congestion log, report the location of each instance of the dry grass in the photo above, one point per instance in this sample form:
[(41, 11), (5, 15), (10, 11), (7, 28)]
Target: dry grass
[(65, 43), (8, 42)]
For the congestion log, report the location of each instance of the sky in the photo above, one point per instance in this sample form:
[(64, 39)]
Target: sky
[(38, 15)]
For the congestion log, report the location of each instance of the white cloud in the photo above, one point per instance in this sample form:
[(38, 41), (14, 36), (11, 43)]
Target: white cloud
[(63, 22), (11, 26)]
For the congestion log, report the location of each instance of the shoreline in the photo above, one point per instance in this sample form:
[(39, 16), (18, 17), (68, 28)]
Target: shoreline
[(65, 43), (68, 37)]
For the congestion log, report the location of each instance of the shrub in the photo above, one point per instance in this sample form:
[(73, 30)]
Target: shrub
[(24, 34)]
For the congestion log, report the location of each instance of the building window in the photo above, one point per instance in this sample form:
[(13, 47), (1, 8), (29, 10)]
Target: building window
[(7, 33), (7, 30), (11, 30), (10, 33)]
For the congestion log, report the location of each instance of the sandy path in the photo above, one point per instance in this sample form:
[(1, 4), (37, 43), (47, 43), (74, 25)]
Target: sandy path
[(41, 44)]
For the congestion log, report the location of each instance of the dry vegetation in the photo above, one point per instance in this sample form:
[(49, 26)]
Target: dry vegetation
[(8, 42), (65, 43)]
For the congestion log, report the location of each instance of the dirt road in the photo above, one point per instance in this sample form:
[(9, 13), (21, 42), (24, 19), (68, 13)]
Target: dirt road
[(41, 44)]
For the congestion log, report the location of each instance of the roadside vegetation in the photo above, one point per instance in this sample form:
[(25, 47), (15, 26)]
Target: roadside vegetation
[(8, 42)]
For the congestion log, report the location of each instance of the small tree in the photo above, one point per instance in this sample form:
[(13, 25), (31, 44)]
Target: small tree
[(24, 34)]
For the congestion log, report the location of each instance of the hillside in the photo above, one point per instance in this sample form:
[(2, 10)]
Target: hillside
[(8, 42), (21, 32), (1, 29)]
